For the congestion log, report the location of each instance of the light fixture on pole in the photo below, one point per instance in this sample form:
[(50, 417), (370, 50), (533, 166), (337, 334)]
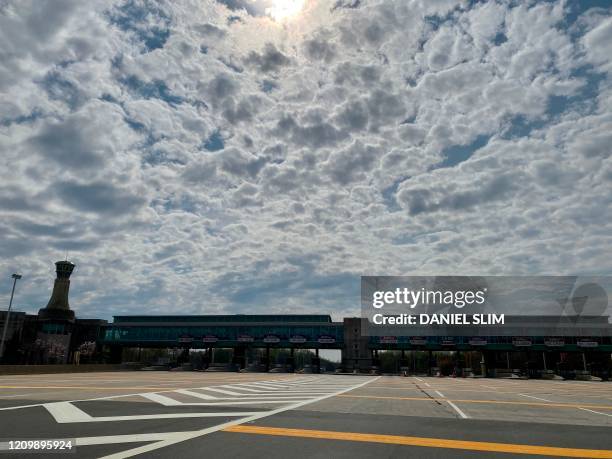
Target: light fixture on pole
[(8, 314)]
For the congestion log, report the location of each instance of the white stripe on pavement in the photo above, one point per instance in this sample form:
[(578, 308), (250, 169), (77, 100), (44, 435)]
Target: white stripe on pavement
[(222, 391), (196, 394), (596, 412), (243, 397), (537, 398), (166, 401), (65, 412), (132, 438), (254, 417), (455, 407), (141, 417)]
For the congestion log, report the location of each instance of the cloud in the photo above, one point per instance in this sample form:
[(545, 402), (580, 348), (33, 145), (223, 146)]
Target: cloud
[(269, 60), (221, 87), (427, 200), (78, 143), (320, 49), (352, 164), (597, 43), (181, 150), (240, 163), (314, 133), (98, 197)]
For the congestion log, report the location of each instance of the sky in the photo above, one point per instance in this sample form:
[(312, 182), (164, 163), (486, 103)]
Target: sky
[(238, 156)]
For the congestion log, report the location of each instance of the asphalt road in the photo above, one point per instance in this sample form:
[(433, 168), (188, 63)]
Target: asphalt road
[(195, 415)]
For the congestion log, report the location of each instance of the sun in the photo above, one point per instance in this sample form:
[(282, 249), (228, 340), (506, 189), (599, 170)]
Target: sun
[(285, 9)]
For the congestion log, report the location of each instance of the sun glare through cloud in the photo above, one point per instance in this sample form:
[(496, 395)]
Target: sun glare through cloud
[(285, 9), (263, 154)]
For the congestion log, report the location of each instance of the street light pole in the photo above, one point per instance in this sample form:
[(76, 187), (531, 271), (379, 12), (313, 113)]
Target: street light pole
[(8, 314)]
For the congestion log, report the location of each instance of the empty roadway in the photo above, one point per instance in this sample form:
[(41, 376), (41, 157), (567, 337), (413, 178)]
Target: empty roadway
[(188, 414)]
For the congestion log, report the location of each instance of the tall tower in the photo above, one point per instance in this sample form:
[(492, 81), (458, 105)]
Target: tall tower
[(58, 307)]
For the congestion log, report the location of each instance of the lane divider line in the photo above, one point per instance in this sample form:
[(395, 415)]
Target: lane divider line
[(537, 398), (424, 442), (456, 408), (494, 402), (596, 412), (453, 406)]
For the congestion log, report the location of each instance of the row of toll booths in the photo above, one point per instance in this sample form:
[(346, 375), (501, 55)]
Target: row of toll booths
[(527, 363), (238, 360)]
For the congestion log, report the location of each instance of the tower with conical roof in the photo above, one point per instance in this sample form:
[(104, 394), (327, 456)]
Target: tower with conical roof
[(58, 308), (56, 321)]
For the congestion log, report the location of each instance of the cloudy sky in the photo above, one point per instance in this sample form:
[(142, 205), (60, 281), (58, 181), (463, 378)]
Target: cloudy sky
[(238, 156)]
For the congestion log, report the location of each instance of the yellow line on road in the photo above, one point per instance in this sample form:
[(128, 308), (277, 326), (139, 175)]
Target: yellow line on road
[(499, 402), (424, 442)]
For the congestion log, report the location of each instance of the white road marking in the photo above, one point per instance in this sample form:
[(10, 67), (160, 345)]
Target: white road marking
[(196, 394), (167, 401), (134, 394), (269, 385), (65, 412), (427, 384), (456, 408), (596, 412), (192, 393), (537, 398), (222, 391), (418, 379), (158, 398), (8, 408), (254, 417), (132, 438), (286, 392), (235, 386), (261, 386), (244, 402), (17, 395), (141, 417)]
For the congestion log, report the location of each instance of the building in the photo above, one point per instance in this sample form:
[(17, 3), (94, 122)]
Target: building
[(55, 335), (360, 352)]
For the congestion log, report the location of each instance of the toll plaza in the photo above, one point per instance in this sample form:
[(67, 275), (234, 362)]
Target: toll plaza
[(533, 356)]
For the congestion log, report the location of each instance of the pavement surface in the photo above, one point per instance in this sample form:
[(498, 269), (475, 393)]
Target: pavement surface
[(195, 415)]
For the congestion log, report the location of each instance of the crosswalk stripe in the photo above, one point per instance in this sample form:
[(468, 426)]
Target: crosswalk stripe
[(196, 394), (242, 402), (64, 412), (272, 386), (242, 388), (173, 416), (354, 384), (255, 393), (244, 397), (291, 391), (166, 401), (222, 391)]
